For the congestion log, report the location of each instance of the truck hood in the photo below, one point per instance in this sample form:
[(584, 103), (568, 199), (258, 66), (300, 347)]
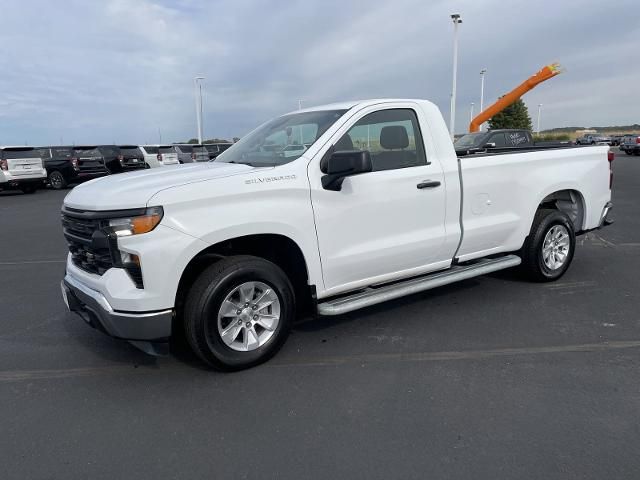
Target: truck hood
[(134, 189)]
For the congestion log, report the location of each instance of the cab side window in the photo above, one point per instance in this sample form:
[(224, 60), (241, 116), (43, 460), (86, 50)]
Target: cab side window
[(391, 136)]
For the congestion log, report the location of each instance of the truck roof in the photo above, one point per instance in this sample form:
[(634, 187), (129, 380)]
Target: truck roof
[(360, 103)]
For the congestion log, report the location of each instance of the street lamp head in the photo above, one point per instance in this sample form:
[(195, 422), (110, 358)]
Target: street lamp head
[(198, 78), (456, 18), (483, 71)]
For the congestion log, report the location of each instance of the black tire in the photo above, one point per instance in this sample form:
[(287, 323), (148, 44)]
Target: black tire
[(628, 152), (205, 298), (533, 264), (57, 181), (28, 189)]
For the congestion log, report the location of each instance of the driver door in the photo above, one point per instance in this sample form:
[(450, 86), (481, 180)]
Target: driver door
[(382, 225)]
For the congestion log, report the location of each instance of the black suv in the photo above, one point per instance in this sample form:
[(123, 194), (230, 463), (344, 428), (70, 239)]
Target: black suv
[(215, 149), (122, 159), (71, 165)]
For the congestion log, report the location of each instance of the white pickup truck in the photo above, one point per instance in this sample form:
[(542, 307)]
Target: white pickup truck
[(375, 206)]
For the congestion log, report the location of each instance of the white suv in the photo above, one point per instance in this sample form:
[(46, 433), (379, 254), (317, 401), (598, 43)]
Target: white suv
[(21, 168), (159, 155)]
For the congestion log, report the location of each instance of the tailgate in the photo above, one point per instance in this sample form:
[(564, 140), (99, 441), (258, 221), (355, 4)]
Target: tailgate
[(91, 164), (24, 166), (169, 158), (133, 161)]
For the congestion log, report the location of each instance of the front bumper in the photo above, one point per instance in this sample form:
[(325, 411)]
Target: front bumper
[(95, 310)]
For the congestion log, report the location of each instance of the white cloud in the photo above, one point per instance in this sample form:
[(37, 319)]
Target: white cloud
[(120, 70)]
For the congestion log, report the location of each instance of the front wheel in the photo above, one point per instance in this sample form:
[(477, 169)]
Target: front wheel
[(549, 248), (238, 312)]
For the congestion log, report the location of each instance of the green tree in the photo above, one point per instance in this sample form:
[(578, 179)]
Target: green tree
[(515, 115), (193, 140)]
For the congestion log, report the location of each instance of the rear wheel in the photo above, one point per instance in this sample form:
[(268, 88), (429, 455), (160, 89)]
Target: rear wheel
[(238, 312), (628, 152), (57, 181), (549, 248)]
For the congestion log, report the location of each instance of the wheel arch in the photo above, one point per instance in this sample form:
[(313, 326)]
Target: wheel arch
[(569, 201), (277, 248)]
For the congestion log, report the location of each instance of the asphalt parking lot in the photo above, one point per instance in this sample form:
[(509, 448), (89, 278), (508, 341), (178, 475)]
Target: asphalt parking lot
[(490, 378)]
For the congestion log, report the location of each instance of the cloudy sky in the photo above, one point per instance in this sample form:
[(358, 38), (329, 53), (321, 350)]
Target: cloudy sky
[(121, 70)]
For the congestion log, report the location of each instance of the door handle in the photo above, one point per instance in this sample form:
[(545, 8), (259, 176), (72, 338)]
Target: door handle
[(429, 184)]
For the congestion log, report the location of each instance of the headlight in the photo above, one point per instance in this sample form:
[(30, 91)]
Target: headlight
[(137, 225)]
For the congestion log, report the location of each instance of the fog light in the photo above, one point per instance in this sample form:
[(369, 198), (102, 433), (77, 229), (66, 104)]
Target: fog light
[(131, 264)]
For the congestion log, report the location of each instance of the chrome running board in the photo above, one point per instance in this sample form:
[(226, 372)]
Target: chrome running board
[(373, 296)]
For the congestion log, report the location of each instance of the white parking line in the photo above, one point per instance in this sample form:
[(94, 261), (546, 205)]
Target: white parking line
[(32, 262)]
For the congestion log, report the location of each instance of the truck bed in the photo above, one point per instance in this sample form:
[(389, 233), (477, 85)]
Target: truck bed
[(504, 150)]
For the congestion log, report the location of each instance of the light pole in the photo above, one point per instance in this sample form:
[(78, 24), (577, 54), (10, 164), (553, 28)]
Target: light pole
[(482, 72), (299, 104), (197, 91), (539, 109), (455, 17), (471, 112)]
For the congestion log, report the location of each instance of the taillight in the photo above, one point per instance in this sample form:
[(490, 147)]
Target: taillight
[(193, 156), (74, 163), (160, 157), (121, 159), (637, 139), (4, 165)]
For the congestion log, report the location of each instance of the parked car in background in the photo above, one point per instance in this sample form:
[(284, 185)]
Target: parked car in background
[(502, 138), (631, 145), (21, 168), (191, 152), (121, 159), (159, 155), (215, 149), (131, 158), (593, 139), (71, 165), (616, 139)]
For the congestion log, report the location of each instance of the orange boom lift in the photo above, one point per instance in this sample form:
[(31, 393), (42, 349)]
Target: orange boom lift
[(545, 73)]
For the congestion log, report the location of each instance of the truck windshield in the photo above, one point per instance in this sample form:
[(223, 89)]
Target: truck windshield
[(281, 140), (470, 140)]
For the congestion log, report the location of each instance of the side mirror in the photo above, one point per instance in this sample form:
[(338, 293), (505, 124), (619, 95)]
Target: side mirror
[(339, 165), (490, 145)]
